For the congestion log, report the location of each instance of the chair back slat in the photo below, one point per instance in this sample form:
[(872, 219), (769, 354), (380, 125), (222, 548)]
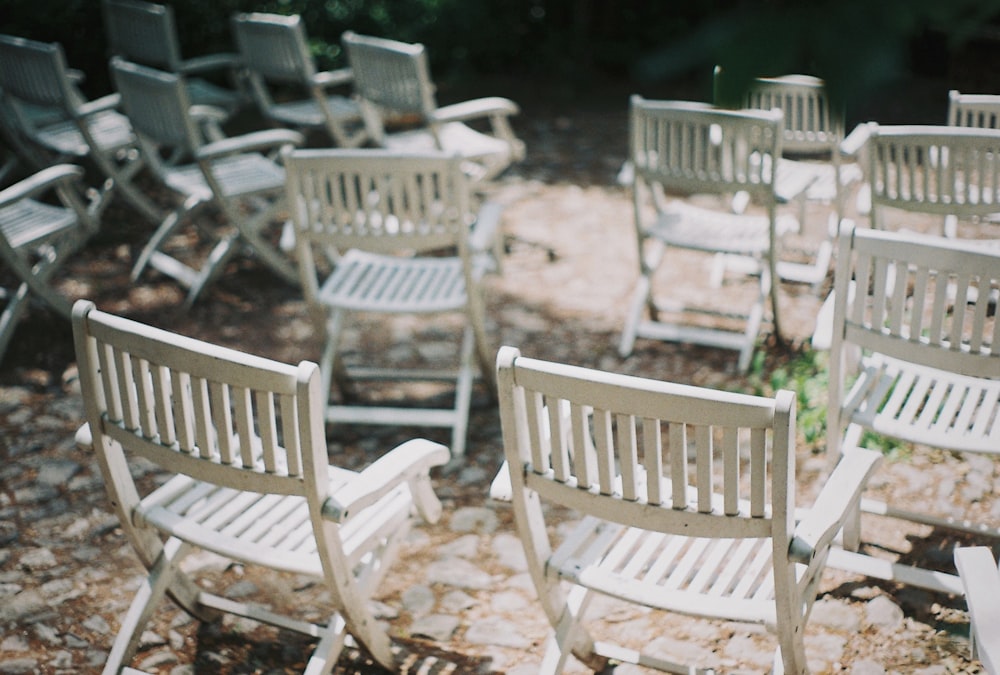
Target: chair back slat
[(935, 169), (197, 409), (924, 299), (35, 72), (377, 200), (274, 46), (973, 110), (157, 104), (704, 460), (143, 32), (694, 147), (811, 122), (391, 74)]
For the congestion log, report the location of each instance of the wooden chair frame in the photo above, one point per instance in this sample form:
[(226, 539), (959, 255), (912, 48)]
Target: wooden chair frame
[(686, 148), (241, 176), (146, 33), (275, 54), (38, 234), (242, 441), (687, 503), (34, 77), (914, 358), (394, 234), (392, 81)]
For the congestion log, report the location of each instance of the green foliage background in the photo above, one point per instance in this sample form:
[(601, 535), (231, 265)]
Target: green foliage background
[(857, 45)]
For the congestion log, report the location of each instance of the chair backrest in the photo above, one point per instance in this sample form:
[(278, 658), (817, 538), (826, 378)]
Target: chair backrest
[(274, 47), (973, 110), (197, 409), (35, 73), (378, 200), (934, 169), (143, 32), (921, 299), (391, 74), (157, 104), (811, 123), (698, 148), (656, 455)]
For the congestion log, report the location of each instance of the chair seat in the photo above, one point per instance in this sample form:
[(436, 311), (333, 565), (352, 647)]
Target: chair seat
[(364, 281), (927, 405), (203, 92), (820, 176), (237, 175), (273, 530), (110, 129), (307, 113), (29, 223), (455, 138), (730, 579), (690, 226)]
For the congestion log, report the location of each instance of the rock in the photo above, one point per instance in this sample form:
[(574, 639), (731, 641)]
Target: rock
[(867, 667), (836, 614), (18, 666), (418, 600), (496, 631), (458, 572), (439, 627), (883, 613), (474, 519), (509, 552), (97, 624)]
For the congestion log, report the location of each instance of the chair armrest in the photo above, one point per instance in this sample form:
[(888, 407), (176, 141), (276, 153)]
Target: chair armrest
[(981, 581), (407, 463), (84, 439), (841, 494), (210, 63), (484, 231), (500, 488), (333, 78), (40, 182), (109, 102), (822, 336), (475, 109), (203, 113), (255, 140), (854, 141)]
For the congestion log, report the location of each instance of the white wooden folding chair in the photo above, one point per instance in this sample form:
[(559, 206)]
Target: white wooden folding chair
[(813, 154), (686, 503), (981, 580), (38, 234), (243, 440), (981, 111), (914, 357), (393, 234), (680, 147), (392, 78), (34, 78), (952, 172), (146, 33), (281, 68), (240, 176)]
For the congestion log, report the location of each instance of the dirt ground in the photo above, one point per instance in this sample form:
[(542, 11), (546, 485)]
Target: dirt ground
[(564, 197)]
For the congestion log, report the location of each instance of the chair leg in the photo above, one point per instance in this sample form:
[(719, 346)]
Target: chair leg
[(169, 224), (220, 254), (161, 575), (324, 658), (640, 299), (570, 636), (463, 395)]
